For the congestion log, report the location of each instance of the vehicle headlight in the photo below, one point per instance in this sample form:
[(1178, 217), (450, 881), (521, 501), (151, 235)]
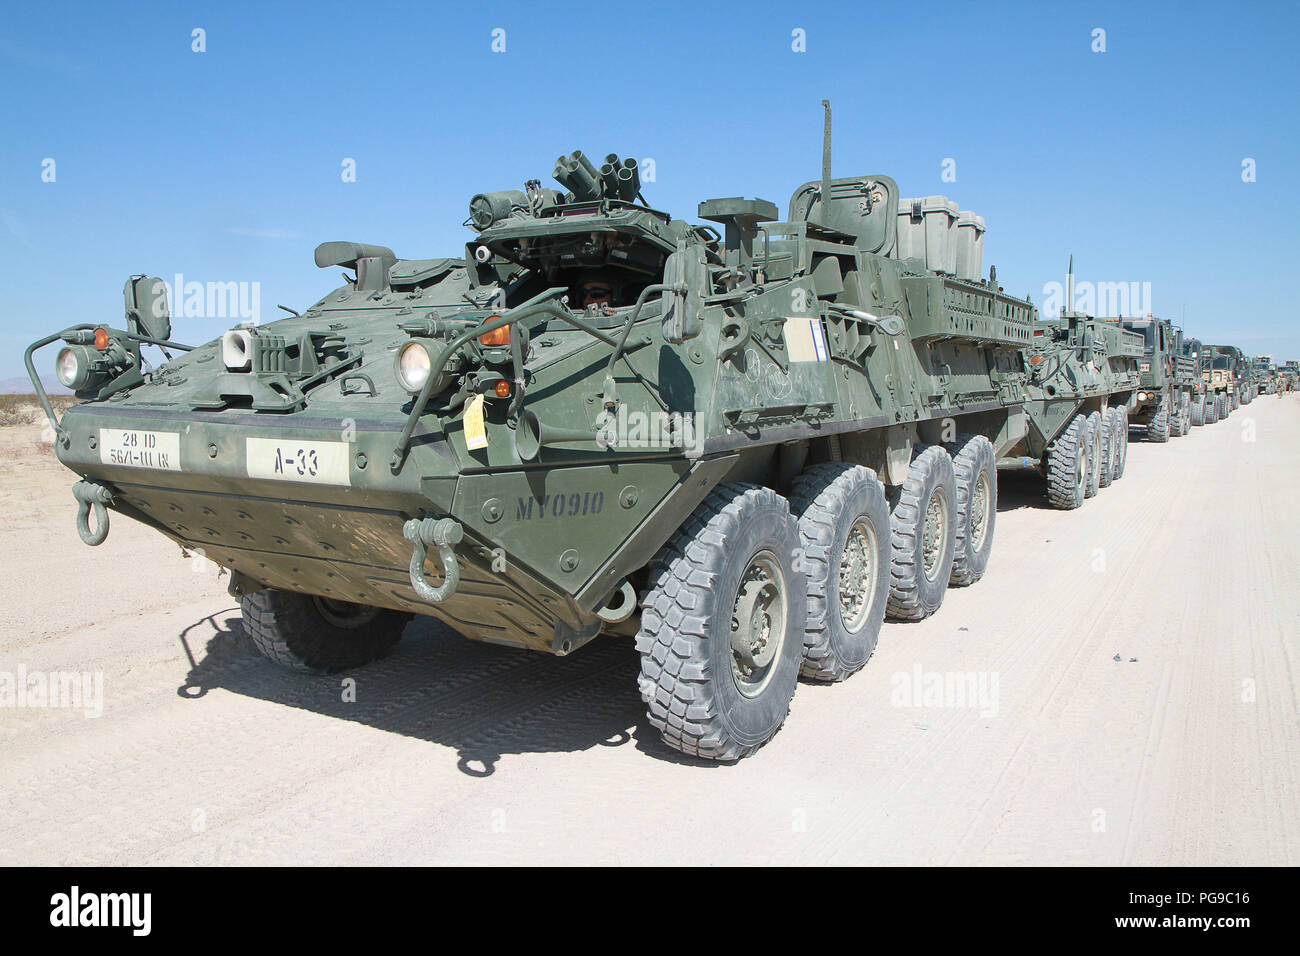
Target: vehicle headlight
[(413, 366), (79, 368), (68, 367)]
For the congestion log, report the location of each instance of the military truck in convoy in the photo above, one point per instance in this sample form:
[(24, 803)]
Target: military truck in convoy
[(1082, 377), (1192, 350), (740, 449), (1163, 403), (1263, 376), (1223, 374)]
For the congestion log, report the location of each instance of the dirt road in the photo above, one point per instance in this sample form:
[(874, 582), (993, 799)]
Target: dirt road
[(1003, 730)]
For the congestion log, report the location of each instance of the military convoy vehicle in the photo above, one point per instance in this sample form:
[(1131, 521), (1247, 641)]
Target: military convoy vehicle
[(1263, 375), (1192, 350), (1223, 372), (743, 448), (1163, 403), (1082, 377)]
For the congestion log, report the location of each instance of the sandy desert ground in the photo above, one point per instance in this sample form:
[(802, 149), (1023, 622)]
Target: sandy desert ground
[(1139, 660)]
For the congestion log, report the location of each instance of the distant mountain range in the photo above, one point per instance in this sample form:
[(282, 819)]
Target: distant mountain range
[(23, 386)]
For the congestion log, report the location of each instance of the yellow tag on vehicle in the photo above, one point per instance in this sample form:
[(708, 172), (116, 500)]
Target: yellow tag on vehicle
[(475, 432)]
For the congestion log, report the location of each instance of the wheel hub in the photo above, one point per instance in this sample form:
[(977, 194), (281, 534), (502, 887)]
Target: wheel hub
[(758, 623), (344, 614), (858, 576), (979, 512), (935, 536)]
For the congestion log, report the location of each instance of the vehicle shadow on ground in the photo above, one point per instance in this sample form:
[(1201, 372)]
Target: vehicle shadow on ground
[(1022, 489), (482, 700)]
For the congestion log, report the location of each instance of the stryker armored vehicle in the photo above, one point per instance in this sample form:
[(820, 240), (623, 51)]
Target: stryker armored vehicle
[(1163, 403), (741, 449), (1082, 377)]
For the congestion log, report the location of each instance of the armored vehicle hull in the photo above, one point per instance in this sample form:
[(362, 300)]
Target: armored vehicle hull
[(1083, 378), (744, 449)]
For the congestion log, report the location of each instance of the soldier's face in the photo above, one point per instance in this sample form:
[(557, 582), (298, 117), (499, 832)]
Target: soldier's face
[(596, 293)]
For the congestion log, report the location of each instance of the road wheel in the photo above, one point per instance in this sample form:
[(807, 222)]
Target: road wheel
[(845, 536), (722, 625), (1158, 428), (1109, 446), (1121, 453), (1177, 418), (923, 527), (976, 471), (318, 635), (1094, 455), (1198, 413), (1067, 466)]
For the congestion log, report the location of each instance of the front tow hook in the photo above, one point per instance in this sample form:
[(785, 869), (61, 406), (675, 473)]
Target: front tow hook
[(443, 534), (90, 494)]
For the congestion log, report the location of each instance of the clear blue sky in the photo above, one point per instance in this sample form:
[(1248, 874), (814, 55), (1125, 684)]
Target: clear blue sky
[(225, 165)]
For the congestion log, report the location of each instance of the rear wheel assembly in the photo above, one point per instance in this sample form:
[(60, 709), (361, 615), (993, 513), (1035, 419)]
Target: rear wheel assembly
[(976, 471), (924, 530)]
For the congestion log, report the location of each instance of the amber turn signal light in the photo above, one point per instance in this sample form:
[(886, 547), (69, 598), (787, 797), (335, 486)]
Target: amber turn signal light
[(502, 388), (101, 339), (497, 337)]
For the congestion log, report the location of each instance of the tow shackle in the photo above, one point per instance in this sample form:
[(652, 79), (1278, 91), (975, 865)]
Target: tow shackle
[(90, 494), (443, 534)]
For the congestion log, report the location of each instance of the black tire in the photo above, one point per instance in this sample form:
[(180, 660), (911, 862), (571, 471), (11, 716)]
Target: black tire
[(1067, 466), (975, 470), (1095, 437), (1177, 417), (927, 501), (1158, 427), (1198, 413), (1121, 446), (689, 672), (316, 635), (1110, 422), (1212, 410), (834, 502)]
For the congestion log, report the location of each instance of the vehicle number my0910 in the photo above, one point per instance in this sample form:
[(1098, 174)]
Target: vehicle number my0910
[(140, 449)]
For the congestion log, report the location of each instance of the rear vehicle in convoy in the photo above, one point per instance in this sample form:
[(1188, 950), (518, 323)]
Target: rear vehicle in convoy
[(1163, 402), (741, 450)]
